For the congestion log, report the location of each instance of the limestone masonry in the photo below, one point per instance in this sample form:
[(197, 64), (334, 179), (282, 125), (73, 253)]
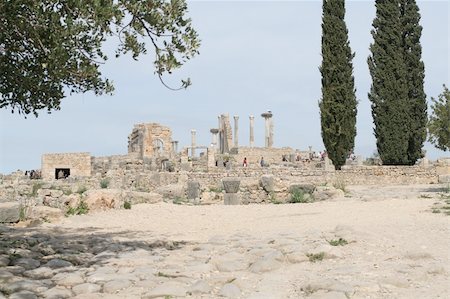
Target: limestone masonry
[(155, 170)]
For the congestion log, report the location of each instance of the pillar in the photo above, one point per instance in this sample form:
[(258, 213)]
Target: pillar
[(175, 146), (236, 131), (193, 142), (270, 132), (252, 135), (268, 125), (214, 133)]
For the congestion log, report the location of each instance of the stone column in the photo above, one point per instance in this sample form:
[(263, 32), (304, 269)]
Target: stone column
[(267, 119), (214, 133), (236, 131), (193, 142), (252, 135), (231, 186), (175, 146), (271, 132), (220, 134)]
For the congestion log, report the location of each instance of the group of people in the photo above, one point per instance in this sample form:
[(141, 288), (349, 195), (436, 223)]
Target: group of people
[(261, 162), (33, 174)]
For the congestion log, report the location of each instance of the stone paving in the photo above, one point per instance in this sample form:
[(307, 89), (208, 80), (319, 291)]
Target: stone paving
[(35, 263)]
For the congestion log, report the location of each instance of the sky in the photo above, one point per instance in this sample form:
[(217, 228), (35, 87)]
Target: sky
[(255, 56)]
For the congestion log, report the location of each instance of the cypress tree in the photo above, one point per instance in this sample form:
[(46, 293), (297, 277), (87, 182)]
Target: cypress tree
[(398, 100), (338, 103), (415, 71)]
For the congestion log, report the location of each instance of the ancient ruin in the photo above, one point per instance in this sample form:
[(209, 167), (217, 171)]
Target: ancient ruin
[(115, 253)]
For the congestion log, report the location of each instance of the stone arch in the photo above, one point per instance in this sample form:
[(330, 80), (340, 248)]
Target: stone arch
[(158, 146)]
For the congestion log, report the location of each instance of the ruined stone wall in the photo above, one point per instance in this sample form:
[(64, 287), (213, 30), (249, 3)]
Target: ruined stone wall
[(78, 163), (354, 175), (150, 140), (254, 154)]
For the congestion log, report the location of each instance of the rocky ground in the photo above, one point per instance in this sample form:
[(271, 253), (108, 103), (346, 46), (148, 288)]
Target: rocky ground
[(377, 242)]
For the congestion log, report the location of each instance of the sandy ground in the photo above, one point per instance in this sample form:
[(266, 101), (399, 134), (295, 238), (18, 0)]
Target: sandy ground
[(397, 248)]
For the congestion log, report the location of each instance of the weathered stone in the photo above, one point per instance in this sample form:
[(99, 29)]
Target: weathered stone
[(265, 264), (231, 265), (23, 295), (328, 295), (444, 178), (57, 293), (327, 193), (116, 285), (231, 199), (56, 193), (39, 273), (86, 288), (46, 213), (199, 287), (169, 288), (267, 182), (58, 263), (9, 212), (103, 199), (171, 191), (230, 290), (26, 263), (4, 261), (193, 190), (231, 185), (136, 197), (25, 285), (5, 276), (68, 279)]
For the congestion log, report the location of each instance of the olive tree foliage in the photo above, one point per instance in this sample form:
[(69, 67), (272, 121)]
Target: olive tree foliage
[(439, 122), (51, 47)]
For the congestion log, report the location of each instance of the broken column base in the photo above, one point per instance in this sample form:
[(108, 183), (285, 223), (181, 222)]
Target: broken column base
[(231, 199)]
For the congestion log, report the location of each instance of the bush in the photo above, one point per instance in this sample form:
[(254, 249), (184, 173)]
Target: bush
[(340, 184), (81, 209), (299, 196), (127, 205), (104, 183), (36, 187), (315, 257), (338, 242)]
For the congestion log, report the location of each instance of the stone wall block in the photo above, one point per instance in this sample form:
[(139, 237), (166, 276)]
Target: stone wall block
[(9, 212), (267, 182), (193, 190)]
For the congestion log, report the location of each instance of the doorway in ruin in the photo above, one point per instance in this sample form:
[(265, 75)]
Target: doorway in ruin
[(62, 173), (158, 146)]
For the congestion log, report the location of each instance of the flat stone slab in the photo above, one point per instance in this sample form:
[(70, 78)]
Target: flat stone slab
[(9, 212)]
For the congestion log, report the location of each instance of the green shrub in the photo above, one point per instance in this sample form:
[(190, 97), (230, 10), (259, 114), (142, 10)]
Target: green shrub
[(273, 198), (35, 188), (179, 200), (315, 257), (338, 242), (127, 205), (299, 196), (81, 209), (339, 183), (104, 183), (22, 213)]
